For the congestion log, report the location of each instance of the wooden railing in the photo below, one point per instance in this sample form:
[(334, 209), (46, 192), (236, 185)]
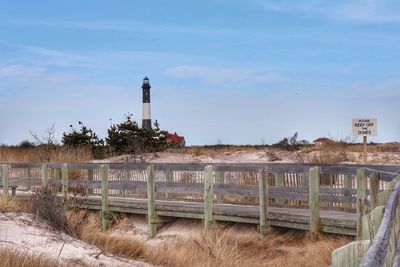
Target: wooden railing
[(378, 243), (206, 189)]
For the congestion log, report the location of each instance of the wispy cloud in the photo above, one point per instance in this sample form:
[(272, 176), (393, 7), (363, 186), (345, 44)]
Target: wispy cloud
[(122, 26), (355, 11), (11, 71), (223, 75), (30, 78)]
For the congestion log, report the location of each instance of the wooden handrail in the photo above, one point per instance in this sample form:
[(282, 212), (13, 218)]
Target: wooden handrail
[(377, 252)]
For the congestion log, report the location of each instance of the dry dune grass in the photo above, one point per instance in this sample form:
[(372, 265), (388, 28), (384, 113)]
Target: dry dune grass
[(8, 204), (228, 246), (13, 258), (44, 153)]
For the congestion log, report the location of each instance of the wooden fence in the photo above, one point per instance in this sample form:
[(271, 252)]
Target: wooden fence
[(327, 198), (378, 243)]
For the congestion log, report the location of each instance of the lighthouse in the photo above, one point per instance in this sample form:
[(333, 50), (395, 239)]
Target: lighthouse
[(146, 114)]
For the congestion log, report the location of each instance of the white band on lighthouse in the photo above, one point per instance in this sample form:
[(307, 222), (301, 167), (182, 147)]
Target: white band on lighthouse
[(146, 114)]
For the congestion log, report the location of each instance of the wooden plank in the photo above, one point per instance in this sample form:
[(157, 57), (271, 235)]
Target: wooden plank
[(349, 255), (89, 185), (219, 179), (28, 175), (25, 165), (279, 183), (89, 191), (232, 189), (5, 178), (361, 185), (314, 202), (208, 195), (374, 189), (371, 222), (348, 184), (383, 197), (151, 204), (126, 177), (179, 187), (137, 186), (169, 178), (263, 199), (45, 176), (105, 211), (24, 181), (64, 186)]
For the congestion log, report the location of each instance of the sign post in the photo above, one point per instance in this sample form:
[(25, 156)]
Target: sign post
[(365, 128)]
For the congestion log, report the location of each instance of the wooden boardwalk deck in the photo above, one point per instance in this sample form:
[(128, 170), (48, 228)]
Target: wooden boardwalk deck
[(337, 222), (325, 198)]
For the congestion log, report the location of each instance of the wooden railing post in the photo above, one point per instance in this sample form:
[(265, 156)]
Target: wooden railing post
[(348, 184), (64, 182), (279, 182), (360, 200), (374, 189), (45, 176), (314, 182), (28, 175), (6, 179), (151, 202), (105, 211), (219, 179), (208, 196), (125, 177), (169, 178), (263, 199), (90, 178)]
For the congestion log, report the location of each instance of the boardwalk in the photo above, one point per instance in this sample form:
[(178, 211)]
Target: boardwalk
[(307, 197), (338, 222)]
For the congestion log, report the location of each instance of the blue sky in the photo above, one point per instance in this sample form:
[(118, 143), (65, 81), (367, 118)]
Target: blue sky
[(243, 72)]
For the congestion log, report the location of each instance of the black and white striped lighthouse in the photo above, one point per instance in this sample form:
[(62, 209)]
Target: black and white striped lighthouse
[(146, 114)]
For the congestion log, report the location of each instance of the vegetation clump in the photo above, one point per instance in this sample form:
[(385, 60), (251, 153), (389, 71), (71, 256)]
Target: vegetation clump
[(128, 138)]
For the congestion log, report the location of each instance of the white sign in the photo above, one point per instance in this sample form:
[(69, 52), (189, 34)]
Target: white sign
[(365, 127)]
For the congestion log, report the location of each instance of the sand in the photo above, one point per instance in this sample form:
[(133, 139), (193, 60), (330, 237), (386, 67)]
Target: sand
[(23, 232)]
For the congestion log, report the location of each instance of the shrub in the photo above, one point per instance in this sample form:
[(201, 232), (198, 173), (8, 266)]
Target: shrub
[(291, 143), (84, 137), (128, 137)]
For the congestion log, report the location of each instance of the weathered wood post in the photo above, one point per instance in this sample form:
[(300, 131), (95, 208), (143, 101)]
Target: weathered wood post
[(360, 200), (28, 176), (348, 184), (64, 182), (219, 179), (374, 189), (105, 211), (263, 199), (57, 173), (151, 202), (208, 195), (125, 176), (89, 191), (6, 179), (169, 178), (314, 182), (279, 182), (45, 176)]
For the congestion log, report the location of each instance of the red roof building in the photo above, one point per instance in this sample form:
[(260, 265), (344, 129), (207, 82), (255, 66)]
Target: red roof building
[(175, 140)]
